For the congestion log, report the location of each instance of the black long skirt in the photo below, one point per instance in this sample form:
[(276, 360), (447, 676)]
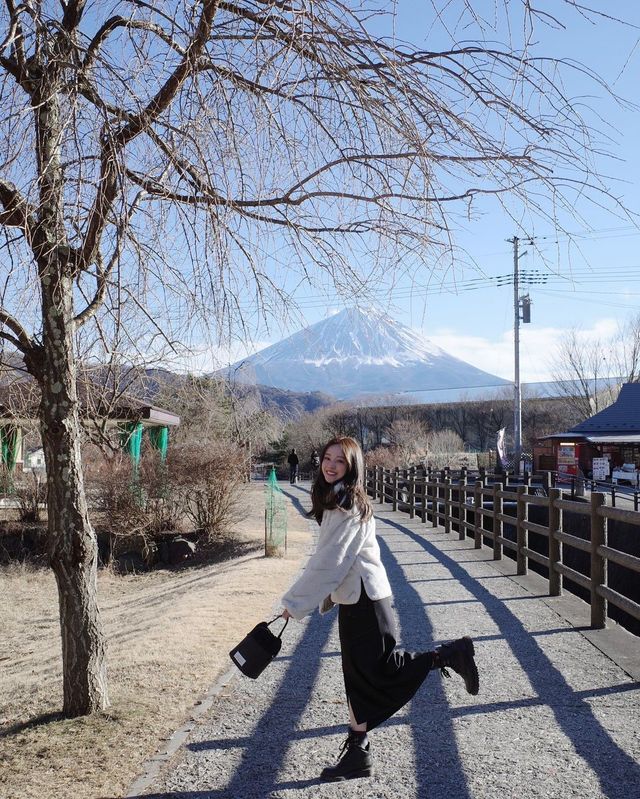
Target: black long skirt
[(378, 678)]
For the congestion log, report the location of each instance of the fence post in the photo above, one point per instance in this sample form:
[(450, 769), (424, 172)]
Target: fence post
[(462, 511), (435, 502), (478, 518), (498, 507), (423, 496), (447, 504), (522, 534), (555, 546), (395, 489), (598, 562), (412, 493), (379, 478)]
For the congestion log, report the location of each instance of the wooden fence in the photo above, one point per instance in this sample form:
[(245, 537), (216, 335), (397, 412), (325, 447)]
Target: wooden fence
[(462, 502)]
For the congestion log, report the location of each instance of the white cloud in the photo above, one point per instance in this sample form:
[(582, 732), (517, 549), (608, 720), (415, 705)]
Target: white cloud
[(210, 359), (537, 347)]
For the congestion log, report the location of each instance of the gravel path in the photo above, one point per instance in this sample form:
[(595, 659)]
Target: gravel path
[(555, 717)]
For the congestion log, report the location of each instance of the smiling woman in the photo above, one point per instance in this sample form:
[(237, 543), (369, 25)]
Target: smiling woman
[(346, 570)]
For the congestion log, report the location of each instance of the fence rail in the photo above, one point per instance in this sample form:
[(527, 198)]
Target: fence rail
[(455, 502)]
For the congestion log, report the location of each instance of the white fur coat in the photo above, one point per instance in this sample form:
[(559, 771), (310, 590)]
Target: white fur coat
[(347, 552)]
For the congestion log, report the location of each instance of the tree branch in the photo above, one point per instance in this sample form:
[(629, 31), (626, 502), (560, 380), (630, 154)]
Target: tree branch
[(16, 38), (138, 123), (121, 22), (17, 211), (73, 11), (102, 273), (20, 339)]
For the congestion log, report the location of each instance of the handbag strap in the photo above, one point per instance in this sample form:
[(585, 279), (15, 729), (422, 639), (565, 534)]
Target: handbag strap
[(286, 621)]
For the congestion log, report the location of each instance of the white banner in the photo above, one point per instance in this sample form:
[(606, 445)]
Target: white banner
[(500, 446)]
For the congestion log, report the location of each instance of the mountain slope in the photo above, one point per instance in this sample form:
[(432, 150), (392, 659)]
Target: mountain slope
[(357, 353)]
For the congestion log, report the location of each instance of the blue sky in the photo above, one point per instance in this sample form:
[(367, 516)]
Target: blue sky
[(593, 276)]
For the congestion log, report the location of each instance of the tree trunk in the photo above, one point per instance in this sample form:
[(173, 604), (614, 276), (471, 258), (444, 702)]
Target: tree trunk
[(73, 546)]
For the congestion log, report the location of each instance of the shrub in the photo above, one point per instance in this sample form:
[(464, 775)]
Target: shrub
[(387, 457), (30, 489), (207, 478)]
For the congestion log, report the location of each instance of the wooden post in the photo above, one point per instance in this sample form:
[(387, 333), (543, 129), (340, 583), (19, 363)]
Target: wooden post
[(423, 496), (522, 534), (435, 503), (555, 546), (462, 511), (498, 506), (598, 563), (447, 504), (477, 516), (395, 489), (412, 493)]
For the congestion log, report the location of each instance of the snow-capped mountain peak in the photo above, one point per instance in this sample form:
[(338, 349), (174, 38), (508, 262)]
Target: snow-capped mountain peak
[(357, 352)]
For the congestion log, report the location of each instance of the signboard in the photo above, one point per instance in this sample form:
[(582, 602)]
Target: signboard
[(600, 468)]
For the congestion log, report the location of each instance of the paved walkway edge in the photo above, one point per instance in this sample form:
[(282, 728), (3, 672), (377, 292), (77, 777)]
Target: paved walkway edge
[(152, 768)]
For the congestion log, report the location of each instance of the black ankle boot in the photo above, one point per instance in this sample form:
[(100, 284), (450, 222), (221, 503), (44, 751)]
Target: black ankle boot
[(355, 761), (459, 656)]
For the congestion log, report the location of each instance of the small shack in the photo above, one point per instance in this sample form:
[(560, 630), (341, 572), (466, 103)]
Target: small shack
[(605, 446)]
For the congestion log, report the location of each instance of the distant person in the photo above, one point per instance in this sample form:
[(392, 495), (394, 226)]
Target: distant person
[(293, 462), (315, 463), (346, 570)]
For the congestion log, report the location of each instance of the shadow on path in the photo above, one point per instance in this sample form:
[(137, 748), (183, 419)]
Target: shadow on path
[(616, 770), (439, 770), (295, 499)]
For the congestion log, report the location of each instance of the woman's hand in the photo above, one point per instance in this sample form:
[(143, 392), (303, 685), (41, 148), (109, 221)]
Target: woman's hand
[(286, 615)]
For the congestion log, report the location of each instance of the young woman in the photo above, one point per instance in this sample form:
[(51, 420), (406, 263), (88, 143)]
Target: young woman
[(346, 570)]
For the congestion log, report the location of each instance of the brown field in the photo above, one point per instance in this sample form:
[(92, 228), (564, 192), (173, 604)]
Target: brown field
[(169, 633)]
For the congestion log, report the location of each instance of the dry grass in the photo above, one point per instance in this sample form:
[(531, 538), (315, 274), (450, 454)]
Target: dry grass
[(169, 633)]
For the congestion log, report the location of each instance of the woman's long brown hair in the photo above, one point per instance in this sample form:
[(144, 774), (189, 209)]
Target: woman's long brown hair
[(352, 494)]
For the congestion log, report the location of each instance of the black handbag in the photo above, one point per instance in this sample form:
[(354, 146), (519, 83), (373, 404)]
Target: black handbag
[(257, 649)]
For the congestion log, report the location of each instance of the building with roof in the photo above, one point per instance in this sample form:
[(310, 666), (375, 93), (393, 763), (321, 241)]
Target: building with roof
[(604, 446), (129, 417)]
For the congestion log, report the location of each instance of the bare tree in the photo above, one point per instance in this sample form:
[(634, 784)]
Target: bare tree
[(410, 438), (589, 371), (173, 161), (624, 354)]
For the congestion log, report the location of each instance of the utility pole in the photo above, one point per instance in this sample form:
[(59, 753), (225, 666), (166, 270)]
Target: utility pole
[(520, 304), (517, 389), (524, 304)]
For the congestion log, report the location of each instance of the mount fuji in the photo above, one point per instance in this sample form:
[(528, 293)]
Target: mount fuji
[(360, 353)]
